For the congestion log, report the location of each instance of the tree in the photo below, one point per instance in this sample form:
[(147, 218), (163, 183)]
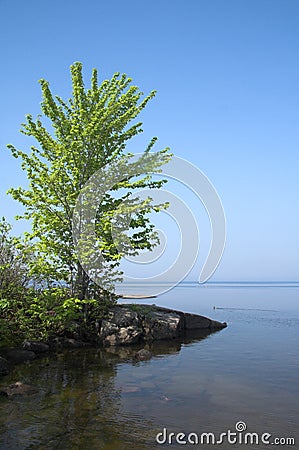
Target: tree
[(89, 132), (16, 285), (14, 263)]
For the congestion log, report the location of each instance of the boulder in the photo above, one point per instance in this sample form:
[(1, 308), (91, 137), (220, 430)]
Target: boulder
[(36, 347), (74, 343), (130, 324), (143, 355), (196, 322), (16, 355), (18, 388), (121, 326), (123, 336), (61, 342), (162, 325)]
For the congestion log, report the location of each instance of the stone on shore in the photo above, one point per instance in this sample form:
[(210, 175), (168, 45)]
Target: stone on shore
[(122, 326), (36, 347), (16, 355), (162, 325), (130, 324), (60, 342)]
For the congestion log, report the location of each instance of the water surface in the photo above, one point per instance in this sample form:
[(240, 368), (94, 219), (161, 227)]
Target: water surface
[(103, 399)]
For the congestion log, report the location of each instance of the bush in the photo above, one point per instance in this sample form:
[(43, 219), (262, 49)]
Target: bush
[(50, 313), (14, 259), (35, 308)]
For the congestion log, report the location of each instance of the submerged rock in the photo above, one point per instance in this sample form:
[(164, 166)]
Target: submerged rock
[(18, 388), (143, 355)]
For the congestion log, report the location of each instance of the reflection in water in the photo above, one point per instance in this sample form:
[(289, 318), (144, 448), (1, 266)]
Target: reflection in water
[(79, 404)]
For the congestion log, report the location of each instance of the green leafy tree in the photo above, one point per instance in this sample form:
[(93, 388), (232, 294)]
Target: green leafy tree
[(16, 285), (14, 264), (89, 131)]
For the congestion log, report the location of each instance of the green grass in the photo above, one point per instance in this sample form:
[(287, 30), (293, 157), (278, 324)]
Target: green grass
[(143, 310)]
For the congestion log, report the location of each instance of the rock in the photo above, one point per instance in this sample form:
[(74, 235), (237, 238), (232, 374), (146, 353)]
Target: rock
[(124, 326), (162, 325), (16, 355), (121, 327), (36, 347), (122, 336), (121, 352), (143, 355), (60, 342), (195, 322), (130, 324), (18, 388), (73, 343), (4, 367), (55, 342)]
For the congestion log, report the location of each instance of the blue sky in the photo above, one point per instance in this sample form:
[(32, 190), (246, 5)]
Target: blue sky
[(227, 76)]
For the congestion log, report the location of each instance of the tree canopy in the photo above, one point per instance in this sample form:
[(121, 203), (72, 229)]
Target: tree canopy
[(89, 132)]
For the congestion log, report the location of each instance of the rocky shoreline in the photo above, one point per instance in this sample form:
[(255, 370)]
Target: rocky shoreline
[(124, 324)]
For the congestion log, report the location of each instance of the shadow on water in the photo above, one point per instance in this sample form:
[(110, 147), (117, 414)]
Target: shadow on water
[(78, 404)]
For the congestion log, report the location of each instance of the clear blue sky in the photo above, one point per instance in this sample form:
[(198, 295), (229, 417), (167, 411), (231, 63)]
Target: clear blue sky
[(227, 76)]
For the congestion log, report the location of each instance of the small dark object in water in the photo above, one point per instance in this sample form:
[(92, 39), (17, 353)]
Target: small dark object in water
[(143, 355)]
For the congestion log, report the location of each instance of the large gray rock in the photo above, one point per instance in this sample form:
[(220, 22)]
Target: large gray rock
[(130, 324), (196, 322), (162, 325), (121, 326)]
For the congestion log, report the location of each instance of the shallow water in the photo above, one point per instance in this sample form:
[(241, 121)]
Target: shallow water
[(102, 399)]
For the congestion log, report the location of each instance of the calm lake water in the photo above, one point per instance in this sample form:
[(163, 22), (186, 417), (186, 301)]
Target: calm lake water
[(102, 399)]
